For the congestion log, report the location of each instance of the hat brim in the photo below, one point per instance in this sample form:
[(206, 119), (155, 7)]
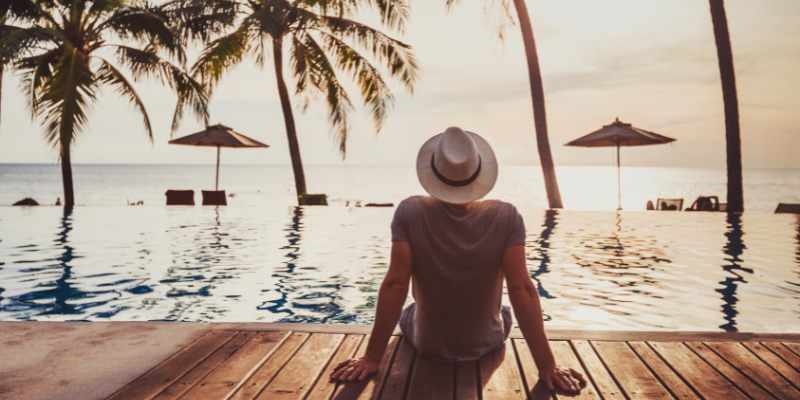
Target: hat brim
[(457, 194)]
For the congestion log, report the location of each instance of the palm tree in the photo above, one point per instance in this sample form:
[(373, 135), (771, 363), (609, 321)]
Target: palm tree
[(323, 45), (731, 102), (499, 12), (8, 53), (75, 41)]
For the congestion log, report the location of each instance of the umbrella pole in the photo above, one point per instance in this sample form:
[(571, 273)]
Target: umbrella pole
[(216, 184), (619, 182)]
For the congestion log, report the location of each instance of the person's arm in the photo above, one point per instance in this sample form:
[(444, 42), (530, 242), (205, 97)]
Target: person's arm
[(391, 297), (525, 301)]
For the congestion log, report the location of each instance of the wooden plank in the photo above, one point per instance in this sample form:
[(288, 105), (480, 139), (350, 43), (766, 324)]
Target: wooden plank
[(325, 387), (632, 375), (400, 372), (536, 389), (368, 388), (673, 383), (260, 378), (431, 379), (226, 378), (597, 371), (565, 357), (467, 380), (703, 378), (296, 378), (742, 382), (500, 377), (663, 336), (553, 334), (789, 373), (784, 353), (159, 378), (794, 347), (200, 371), (751, 366)]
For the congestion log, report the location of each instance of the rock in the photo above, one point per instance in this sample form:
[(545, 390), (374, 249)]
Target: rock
[(27, 202)]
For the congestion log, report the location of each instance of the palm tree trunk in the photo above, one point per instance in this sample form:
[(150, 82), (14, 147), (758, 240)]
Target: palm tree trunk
[(66, 176), (288, 118), (729, 98), (539, 113)]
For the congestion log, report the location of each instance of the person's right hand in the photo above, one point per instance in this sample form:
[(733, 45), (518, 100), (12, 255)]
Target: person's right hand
[(352, 369), (566, 378)]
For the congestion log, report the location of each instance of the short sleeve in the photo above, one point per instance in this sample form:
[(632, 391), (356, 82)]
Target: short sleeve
[(516, 235), (399, 225)]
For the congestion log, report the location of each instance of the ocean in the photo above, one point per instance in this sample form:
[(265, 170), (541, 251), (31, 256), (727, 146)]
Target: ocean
[(582, 188)]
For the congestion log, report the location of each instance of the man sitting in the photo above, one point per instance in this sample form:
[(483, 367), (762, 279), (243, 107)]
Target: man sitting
[(457, 251)]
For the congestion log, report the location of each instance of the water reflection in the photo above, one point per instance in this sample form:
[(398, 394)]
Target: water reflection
[(550, 222), (593, 270), (733, 248), (63, 296), (284, 285)]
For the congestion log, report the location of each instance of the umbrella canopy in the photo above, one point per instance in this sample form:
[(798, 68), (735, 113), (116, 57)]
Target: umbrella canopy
[(218, 136), (619, 134)]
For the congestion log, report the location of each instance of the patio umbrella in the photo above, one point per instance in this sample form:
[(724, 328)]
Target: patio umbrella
[(220, 136), (619, 134)]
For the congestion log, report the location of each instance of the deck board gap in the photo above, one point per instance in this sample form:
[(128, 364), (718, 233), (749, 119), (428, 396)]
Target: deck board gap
[(793, 347), (751, 392), (610, 371), (739, 370), (658, 377), (256, 367)]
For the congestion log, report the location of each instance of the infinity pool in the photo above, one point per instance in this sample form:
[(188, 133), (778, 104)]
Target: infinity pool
[(594, 270)]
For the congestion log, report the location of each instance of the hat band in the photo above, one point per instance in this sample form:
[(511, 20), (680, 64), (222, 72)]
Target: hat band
[(464, 182)]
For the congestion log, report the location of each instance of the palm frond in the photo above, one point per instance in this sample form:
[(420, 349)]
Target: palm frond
[(28, 10), (394, 14), (147, 26), (109, 75), (322, 76), (36, 72), (498, 16), (17, 42), (147, 64), (65, 97), (396, 55), (220, 56), (377, 96), (200, 20)]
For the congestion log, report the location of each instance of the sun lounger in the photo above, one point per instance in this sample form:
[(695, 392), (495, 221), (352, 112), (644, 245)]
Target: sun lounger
[(669, 204), (180, 197), (214, 198), (706, 203), (786, 208)]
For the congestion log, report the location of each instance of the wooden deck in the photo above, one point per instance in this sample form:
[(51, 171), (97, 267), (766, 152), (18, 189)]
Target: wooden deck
[(252, 364)]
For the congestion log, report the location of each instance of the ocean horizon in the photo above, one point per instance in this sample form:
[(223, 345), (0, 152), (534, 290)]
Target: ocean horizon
[(583, 188)]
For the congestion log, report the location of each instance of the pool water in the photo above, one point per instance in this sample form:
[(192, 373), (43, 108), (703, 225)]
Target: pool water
[(630, 270)]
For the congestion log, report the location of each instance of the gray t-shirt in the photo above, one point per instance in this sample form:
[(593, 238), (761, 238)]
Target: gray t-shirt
[(457, 272)]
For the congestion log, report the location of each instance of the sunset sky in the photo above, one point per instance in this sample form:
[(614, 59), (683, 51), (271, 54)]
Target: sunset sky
[(651, 63)]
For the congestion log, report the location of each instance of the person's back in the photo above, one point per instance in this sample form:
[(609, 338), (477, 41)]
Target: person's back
[(456, 250), (457, 274)]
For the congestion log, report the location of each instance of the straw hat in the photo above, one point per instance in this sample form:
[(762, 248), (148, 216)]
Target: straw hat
[(457, 166)]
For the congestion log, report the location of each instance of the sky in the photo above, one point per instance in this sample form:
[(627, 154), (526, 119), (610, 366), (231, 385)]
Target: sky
[(651, 63)]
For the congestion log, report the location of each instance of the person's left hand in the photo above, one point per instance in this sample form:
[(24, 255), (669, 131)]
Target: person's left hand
[(354, 369), (565, 378)]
